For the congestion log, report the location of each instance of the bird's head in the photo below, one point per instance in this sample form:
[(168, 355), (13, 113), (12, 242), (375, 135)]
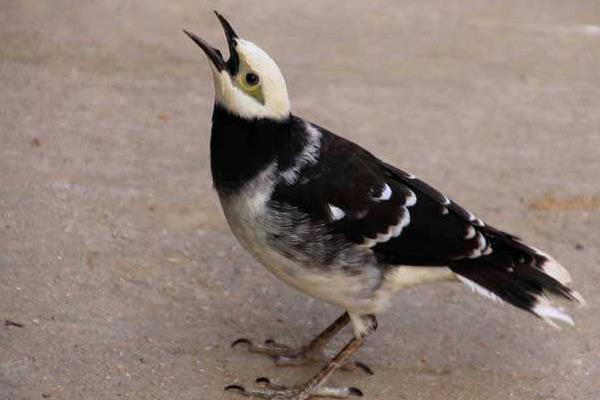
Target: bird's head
[(249, 84)]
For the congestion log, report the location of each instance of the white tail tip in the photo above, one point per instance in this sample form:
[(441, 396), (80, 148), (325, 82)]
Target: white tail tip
[(545, 310)]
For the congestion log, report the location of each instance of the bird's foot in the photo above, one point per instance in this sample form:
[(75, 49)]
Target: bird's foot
[(267, 389), (286, 356)]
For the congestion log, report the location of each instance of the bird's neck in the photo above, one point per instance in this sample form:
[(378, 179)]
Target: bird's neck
[(241, 148)]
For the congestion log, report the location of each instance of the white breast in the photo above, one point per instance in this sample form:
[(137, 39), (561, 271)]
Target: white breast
[(246, 214), (245, 211)]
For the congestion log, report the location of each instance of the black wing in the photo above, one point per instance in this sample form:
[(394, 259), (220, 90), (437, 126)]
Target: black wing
[(402, 219)]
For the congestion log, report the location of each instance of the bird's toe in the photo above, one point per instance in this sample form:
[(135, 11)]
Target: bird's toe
[(269, 389)]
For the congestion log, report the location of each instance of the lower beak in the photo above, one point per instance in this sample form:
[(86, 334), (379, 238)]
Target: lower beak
[(212, 53)]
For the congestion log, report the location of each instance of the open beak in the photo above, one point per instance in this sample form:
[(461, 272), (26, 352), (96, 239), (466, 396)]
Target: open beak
[(214, 54)]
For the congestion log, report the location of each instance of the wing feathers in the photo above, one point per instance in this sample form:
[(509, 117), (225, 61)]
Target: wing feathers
[(404, 221)]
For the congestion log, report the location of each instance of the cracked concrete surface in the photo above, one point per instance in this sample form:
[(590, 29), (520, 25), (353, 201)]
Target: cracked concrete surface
[(116, 259)]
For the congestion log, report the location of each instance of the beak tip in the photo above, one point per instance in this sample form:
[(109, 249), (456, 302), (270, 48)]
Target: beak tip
[(229, 32), (190, 35)]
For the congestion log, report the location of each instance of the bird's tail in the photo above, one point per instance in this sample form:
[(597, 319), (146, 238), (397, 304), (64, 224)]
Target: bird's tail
[(518, 274)]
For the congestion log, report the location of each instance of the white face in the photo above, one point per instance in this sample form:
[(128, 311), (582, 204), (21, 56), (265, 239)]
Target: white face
[(257, 90)]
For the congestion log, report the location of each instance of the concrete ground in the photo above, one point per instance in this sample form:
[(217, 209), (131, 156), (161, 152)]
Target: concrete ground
[(115, 258)]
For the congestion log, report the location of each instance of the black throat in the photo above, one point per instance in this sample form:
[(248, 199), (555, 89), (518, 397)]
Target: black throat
[(241, 148)]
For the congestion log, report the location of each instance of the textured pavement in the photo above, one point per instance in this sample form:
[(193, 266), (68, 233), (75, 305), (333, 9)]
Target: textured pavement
[(114, 254)]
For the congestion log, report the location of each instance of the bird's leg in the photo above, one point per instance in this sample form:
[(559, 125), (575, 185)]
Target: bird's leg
[(314, 351), (315, 386)]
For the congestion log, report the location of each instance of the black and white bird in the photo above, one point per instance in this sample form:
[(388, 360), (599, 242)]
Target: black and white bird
[(337, 223)]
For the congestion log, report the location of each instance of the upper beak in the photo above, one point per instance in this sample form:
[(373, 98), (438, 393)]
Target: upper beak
[(214, 54)]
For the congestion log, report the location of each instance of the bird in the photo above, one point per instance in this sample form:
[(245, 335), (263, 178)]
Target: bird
[(332, 220)]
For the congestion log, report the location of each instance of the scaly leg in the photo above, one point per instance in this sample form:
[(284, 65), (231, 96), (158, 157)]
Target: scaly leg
[(287, 356), (315, 385)]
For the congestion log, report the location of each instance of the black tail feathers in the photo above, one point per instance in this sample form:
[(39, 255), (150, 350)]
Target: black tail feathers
[(520, 275)]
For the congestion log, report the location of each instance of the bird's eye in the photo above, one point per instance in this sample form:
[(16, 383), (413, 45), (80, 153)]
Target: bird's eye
[(252, 79)]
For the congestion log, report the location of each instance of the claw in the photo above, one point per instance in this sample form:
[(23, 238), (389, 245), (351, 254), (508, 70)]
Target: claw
[(237, 388), (271, 390), (364, 367), (241, 341), (263, 381)]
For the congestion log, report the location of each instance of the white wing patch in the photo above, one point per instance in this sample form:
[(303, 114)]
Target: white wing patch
[(481, 246), (336, 212), (474, 220), (308, 156), (411, 200), (394, 230), (471, 232), (386, 193)]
